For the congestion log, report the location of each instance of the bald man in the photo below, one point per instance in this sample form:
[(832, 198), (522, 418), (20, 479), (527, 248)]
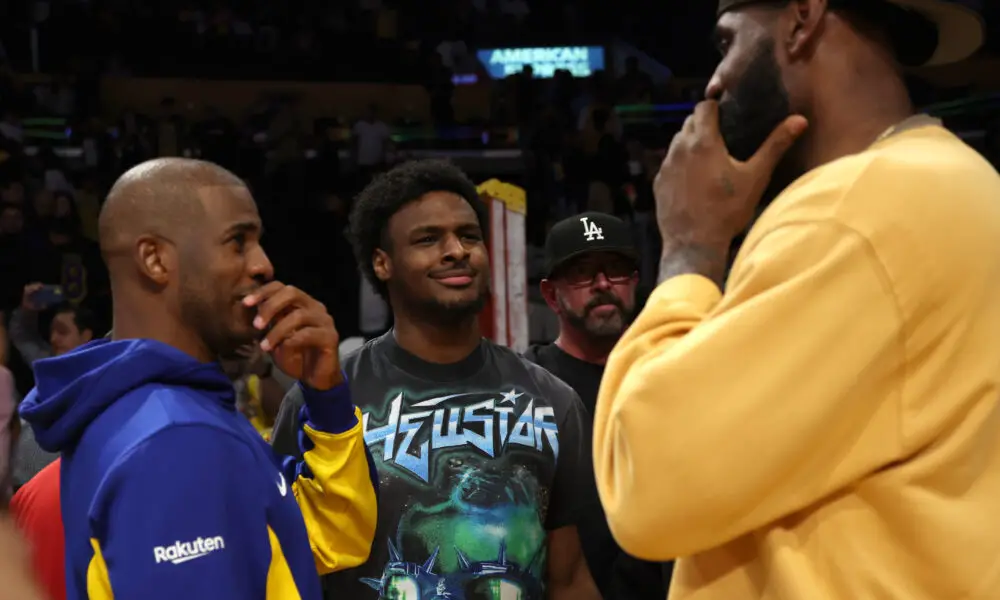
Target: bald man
[(168, 491)]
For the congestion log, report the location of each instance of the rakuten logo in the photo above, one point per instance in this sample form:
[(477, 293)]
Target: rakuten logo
[(181, 552)]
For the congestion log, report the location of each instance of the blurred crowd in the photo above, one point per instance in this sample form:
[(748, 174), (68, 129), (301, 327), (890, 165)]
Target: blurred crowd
[(359, 40), (577, 153), (580, 144)]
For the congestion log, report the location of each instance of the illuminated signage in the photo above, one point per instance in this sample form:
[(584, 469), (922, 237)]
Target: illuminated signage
[(581, 61)]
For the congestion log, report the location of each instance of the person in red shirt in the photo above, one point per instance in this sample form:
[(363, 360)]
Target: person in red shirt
[(37, 513)]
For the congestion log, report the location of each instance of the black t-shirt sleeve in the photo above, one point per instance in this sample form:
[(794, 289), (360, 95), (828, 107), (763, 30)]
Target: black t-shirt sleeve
[(573, 489), (285, 434)]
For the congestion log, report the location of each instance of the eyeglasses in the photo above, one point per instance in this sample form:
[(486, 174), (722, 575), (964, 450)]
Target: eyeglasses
[(584, 274)]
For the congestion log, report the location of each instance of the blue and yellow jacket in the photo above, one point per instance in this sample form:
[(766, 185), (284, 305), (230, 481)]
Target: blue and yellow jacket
[(168, 492)]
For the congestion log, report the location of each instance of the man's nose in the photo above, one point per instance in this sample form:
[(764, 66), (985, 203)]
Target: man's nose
[(601, 281), (455, 249), (713, 91), (261, 268)]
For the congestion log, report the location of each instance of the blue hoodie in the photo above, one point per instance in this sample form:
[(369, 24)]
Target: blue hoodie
[(168, 492)]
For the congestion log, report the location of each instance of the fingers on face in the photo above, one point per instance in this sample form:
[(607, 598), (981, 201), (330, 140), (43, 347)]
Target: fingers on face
[(706, 116), (700, 128), (266, 291), (289, 311), (324, 338), (778, 143)]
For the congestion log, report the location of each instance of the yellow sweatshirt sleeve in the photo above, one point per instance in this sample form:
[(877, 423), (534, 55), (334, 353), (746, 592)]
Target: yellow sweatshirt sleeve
[(720, 414), (336, 494), (335, 483)]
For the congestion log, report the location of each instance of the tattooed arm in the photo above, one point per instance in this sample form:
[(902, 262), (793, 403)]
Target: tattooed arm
[(691, 258)]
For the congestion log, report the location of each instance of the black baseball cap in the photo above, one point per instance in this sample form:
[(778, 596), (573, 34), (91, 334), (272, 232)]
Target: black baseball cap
[(923, 32), (585, 233)]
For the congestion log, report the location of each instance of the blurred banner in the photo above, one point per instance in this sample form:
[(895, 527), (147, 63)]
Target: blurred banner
[(580, 61)]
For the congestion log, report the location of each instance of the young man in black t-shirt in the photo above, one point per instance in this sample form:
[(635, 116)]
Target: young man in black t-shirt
[(591, 273), (484, 459)]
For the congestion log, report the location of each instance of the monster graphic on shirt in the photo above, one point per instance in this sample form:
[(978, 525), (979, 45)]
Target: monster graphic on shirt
[(474, 525), (476, 463)]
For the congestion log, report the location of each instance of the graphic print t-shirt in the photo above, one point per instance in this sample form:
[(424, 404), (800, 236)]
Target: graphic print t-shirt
[(477, 461)]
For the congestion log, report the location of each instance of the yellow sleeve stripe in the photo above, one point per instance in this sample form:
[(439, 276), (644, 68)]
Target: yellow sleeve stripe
[(338, 502), (98, 582)]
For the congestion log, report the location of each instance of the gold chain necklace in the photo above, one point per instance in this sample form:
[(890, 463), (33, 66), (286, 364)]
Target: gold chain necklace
[(885, 134), (907, 123)]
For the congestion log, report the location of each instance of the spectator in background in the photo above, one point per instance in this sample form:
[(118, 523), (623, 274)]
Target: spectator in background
[(597, 95), (36, 511), (259, 387), (71, 327), (284, 164), (440, 87), (642, 168), (591, 269), (327, 245), (88, 204), (10, 126), (135, 144), (326, 166), (64, 256), (53, 176), (29, 458), (634, 86), (11, 220), (57, 98), (371, 140), (93, 144), (609, 168), (527, 102), (12, 192), (217, 139), (9, 420), (43, 206), (283, 137), (168, 133), (561, 95)]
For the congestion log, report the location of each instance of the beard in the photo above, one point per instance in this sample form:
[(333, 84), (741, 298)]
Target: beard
[(454, 312), (606, 328), (213, 319), (751, 111)]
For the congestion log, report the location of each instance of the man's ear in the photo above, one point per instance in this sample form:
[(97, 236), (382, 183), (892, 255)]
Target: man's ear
[(87, 336), (805, 23), (382, 264), (549, 294), (156, 259)]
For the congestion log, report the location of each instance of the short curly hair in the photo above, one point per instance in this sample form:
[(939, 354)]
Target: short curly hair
[(394, 189)]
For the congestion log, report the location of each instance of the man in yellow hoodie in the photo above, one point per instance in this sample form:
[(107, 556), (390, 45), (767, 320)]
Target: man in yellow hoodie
[(829, 427)]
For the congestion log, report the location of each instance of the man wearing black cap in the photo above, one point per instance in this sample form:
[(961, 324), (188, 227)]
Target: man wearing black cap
[(591, 272), (828, 427)]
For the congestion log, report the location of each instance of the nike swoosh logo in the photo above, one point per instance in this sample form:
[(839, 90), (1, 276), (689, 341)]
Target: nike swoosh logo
[(282, 485), (178, 561)]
